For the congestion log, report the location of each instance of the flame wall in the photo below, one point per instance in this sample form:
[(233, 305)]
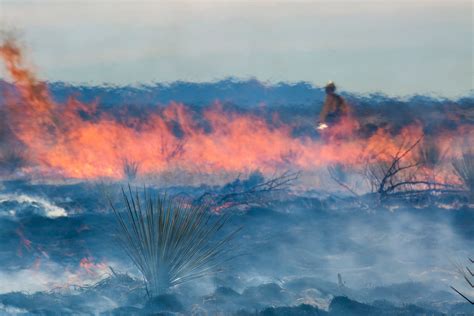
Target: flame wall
[(75, 140)]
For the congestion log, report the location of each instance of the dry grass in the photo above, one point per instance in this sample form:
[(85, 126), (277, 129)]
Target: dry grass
[(429, 153), (130, 169)]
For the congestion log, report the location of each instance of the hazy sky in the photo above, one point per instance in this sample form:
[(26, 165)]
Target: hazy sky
[(397, 47)]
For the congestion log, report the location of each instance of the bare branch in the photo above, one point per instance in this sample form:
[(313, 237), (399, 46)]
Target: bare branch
[(332, 171), (242, 192), (427, 183), (333, 176), (397, 178)]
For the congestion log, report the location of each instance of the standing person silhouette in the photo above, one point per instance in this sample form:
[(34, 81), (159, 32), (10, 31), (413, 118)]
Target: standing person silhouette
[(334, 108)]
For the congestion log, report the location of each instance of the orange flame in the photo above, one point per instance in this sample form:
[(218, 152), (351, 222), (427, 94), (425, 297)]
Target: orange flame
[(92, 268), (24, 242), (59, 139)]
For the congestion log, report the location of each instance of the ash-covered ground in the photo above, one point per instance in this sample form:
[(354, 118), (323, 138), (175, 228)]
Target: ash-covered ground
[(297, 254)]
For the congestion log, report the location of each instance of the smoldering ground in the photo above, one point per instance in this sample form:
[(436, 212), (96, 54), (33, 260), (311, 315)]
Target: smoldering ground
[(289, 252)]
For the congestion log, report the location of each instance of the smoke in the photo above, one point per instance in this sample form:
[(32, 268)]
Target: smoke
[(368, 250), (21, 204)]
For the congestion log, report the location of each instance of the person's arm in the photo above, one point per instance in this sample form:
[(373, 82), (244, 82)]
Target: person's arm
[(325, 111)]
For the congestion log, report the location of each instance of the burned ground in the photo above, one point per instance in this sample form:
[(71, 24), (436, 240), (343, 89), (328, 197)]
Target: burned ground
[(289, 253)]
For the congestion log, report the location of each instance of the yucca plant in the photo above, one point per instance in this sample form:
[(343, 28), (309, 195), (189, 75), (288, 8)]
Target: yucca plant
[(468, 275), (464, 167), (171, 241)]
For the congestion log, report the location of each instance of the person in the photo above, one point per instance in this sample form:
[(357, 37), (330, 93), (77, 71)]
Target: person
[(334, 108)]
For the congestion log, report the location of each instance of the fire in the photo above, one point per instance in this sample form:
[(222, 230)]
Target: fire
[(88, 271), (24, 242), (92, 268), (77, 141)]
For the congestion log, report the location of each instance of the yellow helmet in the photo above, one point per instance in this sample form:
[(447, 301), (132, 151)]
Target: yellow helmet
[(330, 86), (330, 83)]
